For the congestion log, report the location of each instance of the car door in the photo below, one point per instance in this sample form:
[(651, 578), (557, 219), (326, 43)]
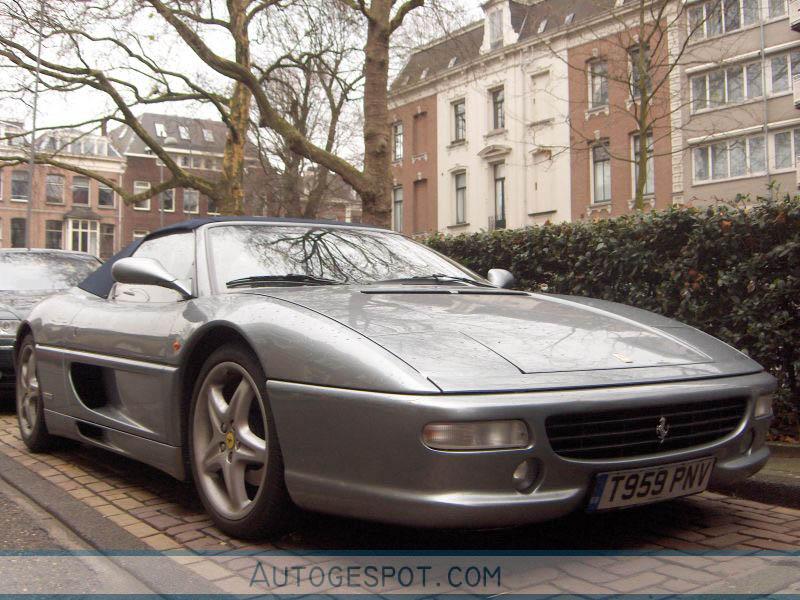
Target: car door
[(121, 366)]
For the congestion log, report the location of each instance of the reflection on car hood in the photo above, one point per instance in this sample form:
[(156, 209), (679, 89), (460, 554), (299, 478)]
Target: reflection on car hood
[(486, 334), (17, 305)]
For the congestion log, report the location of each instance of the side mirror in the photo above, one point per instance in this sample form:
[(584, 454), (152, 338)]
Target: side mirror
[(147, 271), (501, 278)]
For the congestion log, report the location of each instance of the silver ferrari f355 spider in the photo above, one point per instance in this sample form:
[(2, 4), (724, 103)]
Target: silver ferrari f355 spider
[(350, 370)]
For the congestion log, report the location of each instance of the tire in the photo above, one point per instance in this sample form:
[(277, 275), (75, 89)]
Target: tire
[(234, 454), (29, 400)]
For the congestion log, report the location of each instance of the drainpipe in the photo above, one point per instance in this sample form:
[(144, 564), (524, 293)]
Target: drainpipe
[(764, 103)]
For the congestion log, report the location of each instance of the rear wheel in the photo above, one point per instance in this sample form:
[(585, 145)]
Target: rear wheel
[(30, 407), (234, 453)]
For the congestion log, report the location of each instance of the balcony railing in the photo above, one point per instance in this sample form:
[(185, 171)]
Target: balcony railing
[(796, 90), (794, 14)]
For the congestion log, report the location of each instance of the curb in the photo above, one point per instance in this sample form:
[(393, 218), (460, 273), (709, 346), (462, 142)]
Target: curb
[(784, 450)]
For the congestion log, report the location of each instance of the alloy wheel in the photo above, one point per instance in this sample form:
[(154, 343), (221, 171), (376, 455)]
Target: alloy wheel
[(28, 394), (229, 438)]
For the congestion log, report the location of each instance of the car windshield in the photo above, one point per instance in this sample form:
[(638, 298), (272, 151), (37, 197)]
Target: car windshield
[(43, 271), (263, 253)]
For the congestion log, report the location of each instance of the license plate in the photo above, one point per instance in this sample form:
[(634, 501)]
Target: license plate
[(620, 489)]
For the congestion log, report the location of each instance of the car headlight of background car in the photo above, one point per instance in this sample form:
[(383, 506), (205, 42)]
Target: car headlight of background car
[(763, 406), (476, 435), (8, 327)]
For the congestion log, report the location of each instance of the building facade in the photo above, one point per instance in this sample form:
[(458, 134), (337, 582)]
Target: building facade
[(61, 209)]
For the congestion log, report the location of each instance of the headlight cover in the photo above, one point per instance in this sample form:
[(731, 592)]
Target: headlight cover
[(8, 327), (476, 435), (763, 406)]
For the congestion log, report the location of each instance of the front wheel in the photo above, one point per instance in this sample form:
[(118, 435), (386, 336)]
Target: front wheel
[(234, 453), (30, 406)]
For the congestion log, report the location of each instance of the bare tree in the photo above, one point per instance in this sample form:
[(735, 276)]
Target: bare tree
[(96, 46)]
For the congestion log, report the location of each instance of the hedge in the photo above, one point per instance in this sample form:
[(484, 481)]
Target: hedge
[(732, 272)]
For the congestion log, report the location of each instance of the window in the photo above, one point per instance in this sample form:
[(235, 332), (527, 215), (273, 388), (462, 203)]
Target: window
[(640, 67), (397, 142), (777, 8), (140, 187), (736, 157), (83, 236), (601, 174), (598, 83), (782, 68), (495, 29), (542, 26), (212, 207), (460, 181), (161, 131), (20, 185), (459, 121), (715, 17), (186, 161), (726, 86), (397, 209), (168, 200), (649, 187), (53, 234), (191, 201), (183, 131), (139, 234), (499, 173), (208, 135), (105, 196), (80, 190), (787, 148), (197, 162), (18, 229), (54, 189), (498, 109), (106, 240)]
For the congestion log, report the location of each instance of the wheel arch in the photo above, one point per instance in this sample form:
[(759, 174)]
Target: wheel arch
[(23, 331)]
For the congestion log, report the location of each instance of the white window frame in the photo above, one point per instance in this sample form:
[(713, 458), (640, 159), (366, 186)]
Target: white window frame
[(208, 135), (746, 93), (47, 199), (196, 195), (794, 137), (398, 140), (102, 186), (592, 176), (183, 132), (595, 75), (84, 226), (139, 187), (162, 195), (792, 58), (453, 106), (762, 15), (88, 191), (495, 20), (161, 131), (398, 216), (20, 198), (497, 118), (463, 200), (749, 172)]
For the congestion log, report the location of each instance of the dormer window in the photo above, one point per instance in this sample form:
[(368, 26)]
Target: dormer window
[(184, 132), (496, 29), (542, 26), (424, 73), (208, 135), (569, 18), (161, 131), (452, 62)]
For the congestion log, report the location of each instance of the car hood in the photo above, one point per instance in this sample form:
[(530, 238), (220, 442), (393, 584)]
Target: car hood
[(472, 339)]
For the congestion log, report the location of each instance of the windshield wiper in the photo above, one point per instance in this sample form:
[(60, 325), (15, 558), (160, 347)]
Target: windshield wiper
[(439, 278), (287, 278)]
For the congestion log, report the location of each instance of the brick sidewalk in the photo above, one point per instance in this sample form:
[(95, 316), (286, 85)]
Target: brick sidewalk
[(166, 515)]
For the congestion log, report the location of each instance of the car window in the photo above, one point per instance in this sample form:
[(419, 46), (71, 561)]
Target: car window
[(43, 271), (176, 254)]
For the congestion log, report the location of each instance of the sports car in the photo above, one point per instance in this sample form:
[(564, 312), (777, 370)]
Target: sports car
[(347, 369), (27, 276)]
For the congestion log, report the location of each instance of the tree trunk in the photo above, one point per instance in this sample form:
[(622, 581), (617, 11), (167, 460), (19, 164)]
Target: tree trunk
[(377, 209)]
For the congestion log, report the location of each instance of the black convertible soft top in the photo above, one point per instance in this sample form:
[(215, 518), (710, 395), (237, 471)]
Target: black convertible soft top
[(100, 281)]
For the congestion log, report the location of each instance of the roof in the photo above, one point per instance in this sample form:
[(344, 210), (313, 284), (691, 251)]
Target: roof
[(204, 135), (464, 46), (47, 251), (101, 281)]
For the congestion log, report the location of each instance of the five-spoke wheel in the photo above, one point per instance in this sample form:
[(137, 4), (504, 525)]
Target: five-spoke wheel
[(30, 408), (235, 457)]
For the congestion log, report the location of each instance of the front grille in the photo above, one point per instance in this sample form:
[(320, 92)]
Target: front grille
[(632, 431)]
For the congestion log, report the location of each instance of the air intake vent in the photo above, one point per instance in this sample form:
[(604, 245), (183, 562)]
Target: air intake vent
[(633, 431)]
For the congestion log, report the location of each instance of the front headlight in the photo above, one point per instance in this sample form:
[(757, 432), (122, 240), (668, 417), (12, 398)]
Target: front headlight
[(476, 435), (8, 328), (763, 406)]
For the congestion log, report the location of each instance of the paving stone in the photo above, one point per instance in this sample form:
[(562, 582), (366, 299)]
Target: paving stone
[(687, 574), (726, 540), (127, 503), (141, 530), (161, 522), (161, 542), (634, 565), (638, 582)]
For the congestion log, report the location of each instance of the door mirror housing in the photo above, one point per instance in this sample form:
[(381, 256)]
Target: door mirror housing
[(147, 271), (501, 278)]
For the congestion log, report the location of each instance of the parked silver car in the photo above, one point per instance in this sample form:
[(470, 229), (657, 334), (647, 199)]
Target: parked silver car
[(353, 371), (26, 277)]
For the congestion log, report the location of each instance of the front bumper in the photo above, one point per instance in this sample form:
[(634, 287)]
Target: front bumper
[(7, 375), (360, 454)]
